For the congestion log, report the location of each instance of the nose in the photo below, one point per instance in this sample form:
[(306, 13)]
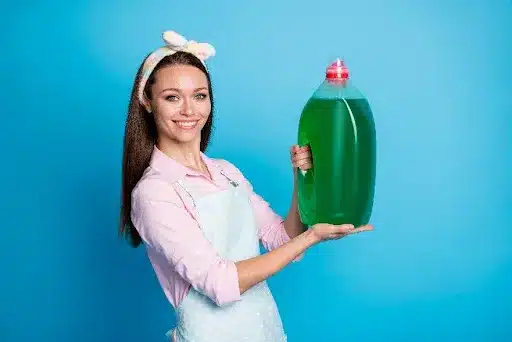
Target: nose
[(187, 108)]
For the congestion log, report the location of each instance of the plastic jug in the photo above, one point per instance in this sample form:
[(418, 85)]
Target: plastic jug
[(338, 125)]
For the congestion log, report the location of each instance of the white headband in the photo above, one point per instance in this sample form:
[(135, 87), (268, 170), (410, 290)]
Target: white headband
[(174, 43)]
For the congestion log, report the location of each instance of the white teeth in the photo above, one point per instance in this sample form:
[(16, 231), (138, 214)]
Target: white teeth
[(186, 124)]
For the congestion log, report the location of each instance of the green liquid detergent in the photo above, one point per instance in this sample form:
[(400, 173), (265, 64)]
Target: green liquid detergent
[(337, 123)]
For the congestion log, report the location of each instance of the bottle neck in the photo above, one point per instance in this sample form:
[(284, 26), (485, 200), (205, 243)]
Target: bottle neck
[(337, 82), (337, 89)]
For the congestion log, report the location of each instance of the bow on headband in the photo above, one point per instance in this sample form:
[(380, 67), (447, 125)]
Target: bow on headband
[(174, 43)]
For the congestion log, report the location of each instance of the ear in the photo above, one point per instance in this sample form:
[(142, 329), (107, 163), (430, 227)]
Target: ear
[(147, 105)]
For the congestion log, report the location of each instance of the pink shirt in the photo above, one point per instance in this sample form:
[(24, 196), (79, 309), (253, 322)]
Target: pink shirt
[(164, 216)]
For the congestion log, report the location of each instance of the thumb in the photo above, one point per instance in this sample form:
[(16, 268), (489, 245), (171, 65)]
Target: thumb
[(345, 228)]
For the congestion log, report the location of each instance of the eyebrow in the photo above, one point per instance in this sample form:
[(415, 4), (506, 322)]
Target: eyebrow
[(178, 90)]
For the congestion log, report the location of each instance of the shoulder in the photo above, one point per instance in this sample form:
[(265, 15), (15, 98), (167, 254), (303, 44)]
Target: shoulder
[(228, 167), (232, 171), (152, 187)]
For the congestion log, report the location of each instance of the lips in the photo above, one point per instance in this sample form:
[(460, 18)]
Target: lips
[(186, 124)]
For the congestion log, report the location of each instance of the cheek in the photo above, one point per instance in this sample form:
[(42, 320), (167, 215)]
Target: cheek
[(167, 109), (163, 121), (205, 109)]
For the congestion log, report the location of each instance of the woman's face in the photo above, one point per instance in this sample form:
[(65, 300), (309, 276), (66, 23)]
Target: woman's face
[(180, 103)]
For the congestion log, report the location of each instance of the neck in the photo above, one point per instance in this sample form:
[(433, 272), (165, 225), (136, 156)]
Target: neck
[(188, 154)]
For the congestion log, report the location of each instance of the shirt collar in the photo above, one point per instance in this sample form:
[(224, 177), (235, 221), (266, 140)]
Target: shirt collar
[(173, 170)]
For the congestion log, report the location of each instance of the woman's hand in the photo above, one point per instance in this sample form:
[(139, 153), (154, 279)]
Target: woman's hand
[(325, 231), (301, 157)]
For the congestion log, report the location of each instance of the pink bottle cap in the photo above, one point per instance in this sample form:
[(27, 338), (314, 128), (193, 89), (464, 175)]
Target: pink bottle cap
[(337, 71)]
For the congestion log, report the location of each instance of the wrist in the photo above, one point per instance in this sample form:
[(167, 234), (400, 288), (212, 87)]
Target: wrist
[(311, 237)]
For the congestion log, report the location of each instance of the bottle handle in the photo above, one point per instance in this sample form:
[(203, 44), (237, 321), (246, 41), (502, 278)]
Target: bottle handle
[(304, 172), (306, 190)]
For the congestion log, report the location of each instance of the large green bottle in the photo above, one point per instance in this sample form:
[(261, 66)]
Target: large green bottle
[(337, 123)]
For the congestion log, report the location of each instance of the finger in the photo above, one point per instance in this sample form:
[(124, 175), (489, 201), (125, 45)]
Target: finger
[(301, 155), (344, 228), (301, 161), (305, 165), (365, 228), (297, 161), (297, 154), (294, 149), (297, 148)]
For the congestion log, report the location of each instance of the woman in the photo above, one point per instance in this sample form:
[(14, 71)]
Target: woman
[(199, 219)]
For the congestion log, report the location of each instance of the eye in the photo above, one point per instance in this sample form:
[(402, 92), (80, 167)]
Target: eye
[(171, 98), (201, 96)]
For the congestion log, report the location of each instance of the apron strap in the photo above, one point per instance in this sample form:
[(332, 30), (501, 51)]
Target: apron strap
[(231, 181), (180, 183)]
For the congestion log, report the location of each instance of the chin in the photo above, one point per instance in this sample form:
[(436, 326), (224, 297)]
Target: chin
[(187, 140), (186, 136)]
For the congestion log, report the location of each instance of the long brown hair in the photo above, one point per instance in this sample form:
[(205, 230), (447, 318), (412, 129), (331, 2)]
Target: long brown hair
[(141, 135)]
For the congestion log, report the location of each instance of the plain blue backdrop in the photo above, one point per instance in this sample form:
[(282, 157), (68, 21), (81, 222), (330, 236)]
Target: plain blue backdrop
[(438, 267)]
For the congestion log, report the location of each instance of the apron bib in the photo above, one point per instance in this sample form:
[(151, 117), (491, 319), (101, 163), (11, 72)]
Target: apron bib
[(227, 220)]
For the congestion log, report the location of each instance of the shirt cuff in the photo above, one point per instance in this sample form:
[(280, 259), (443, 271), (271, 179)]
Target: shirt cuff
[(228, 287)]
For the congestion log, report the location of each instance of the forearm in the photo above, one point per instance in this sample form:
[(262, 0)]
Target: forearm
[(255, 270), (292, 224)]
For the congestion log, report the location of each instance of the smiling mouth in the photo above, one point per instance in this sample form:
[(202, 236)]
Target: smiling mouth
[(186, 124)]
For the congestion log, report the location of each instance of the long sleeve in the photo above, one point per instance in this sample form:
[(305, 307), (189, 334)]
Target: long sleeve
[(272, 232), (271, 225), (165, 225)]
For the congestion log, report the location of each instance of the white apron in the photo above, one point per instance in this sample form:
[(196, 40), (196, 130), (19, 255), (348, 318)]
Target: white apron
[(228, 222)]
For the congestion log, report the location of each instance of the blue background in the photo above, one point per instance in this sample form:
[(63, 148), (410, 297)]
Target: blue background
[(438, 76)]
